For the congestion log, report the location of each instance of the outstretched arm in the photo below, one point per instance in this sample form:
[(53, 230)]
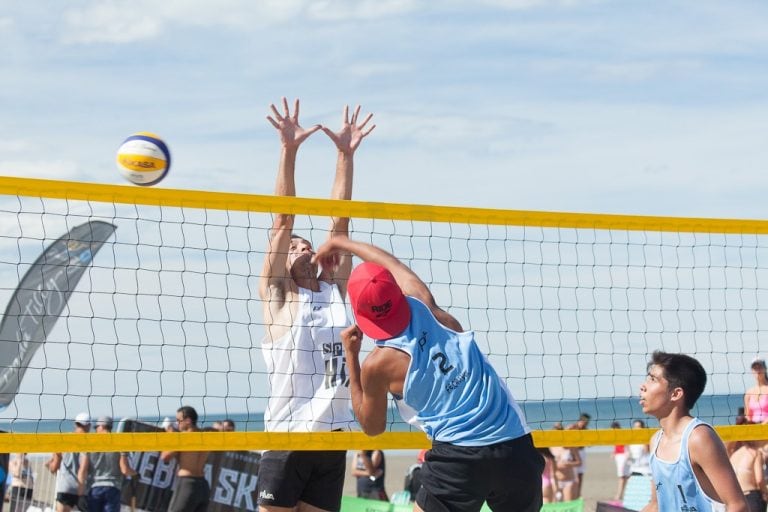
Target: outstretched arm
[(347, 140), (274, 276), (408, 281)]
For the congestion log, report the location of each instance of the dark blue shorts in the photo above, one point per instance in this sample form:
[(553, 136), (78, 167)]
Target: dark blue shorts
[(106, 499), (506, 475)]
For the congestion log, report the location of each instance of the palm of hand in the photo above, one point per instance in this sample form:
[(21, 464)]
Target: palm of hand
[(351, 134), (348, 139)]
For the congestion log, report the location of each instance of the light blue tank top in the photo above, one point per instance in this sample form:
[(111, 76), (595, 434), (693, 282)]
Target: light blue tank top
[(676, 486), (451, 391)]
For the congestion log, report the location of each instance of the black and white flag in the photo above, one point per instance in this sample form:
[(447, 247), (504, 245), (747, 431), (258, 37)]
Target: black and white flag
[(40, 298)]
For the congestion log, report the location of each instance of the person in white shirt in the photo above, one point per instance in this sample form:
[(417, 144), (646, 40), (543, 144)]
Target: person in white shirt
[(638, 455)]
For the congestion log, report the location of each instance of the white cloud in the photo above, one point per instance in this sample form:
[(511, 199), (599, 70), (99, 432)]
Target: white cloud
[(528, 4), (15, 146), (43, 169), (628, 70), (111, 22), (636, 71), (482, 131), (364, 9), (231, 13), (375, 69), (125, 21)]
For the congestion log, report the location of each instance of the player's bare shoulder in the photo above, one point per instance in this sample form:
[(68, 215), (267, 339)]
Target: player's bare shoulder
[(389, 365), (703, 440)]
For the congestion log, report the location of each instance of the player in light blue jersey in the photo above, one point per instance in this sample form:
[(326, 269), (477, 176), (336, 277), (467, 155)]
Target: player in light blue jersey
[(304, 314), (482, 449), (689, 464)]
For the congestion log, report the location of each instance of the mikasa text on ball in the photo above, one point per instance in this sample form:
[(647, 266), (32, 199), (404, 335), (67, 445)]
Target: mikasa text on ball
[(143, 159)]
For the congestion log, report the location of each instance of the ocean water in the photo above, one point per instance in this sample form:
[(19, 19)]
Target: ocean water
[(713, 409), (541, 415)]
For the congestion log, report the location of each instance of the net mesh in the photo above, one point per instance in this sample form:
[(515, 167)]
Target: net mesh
[(567, 307)]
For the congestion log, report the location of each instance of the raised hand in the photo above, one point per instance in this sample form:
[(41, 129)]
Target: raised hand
[(351, 134), (291, 133)]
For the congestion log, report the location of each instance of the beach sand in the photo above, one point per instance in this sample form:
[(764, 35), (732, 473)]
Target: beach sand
[(599, 482)]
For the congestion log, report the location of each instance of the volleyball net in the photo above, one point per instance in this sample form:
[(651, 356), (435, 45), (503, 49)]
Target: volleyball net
[(159, 308)]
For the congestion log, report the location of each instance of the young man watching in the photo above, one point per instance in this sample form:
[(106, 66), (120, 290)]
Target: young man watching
[(689, 464)]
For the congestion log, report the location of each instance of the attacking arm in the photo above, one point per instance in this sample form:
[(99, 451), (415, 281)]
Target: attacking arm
[(408, 281)]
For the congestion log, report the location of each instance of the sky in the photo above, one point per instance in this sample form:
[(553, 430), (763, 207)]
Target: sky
[(652, 108), (649, 108)]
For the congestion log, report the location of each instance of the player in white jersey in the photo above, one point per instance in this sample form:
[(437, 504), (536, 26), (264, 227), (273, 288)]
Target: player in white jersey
[(304, 314), (689, 464)]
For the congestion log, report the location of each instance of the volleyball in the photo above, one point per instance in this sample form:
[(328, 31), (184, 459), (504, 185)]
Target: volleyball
[(143, 159)]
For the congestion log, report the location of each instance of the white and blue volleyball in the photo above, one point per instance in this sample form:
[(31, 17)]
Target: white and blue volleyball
[(143, 159)]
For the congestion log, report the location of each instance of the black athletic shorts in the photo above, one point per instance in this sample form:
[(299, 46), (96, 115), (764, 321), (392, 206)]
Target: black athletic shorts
[(755, 501), (67, 499), (316, 478), (460, 478), (191, 495)]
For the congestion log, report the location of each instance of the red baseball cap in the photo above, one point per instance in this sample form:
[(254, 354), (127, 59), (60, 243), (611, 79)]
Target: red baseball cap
[(380, 308)]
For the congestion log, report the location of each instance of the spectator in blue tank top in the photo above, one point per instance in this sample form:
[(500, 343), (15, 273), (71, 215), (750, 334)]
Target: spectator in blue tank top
[(689, 464), (482, 449)]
